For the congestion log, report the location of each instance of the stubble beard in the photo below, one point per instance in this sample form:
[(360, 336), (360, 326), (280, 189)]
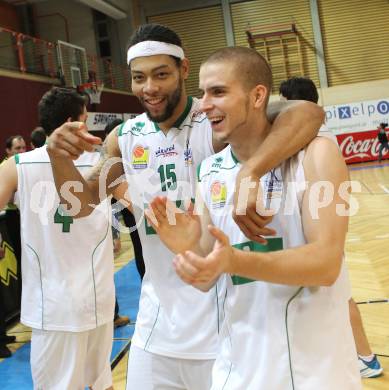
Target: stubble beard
[(172, 103)]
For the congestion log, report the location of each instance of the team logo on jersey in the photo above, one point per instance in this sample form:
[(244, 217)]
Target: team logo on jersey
[(218, 194), (196, 114), (217, 162), (166, 152), (273, 184), (138, 126), (140, 157), (188, 156), (273, 189)]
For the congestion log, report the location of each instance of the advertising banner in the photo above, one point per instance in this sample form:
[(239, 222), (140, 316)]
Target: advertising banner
[(356, 127), (361, 146), (98, 120)]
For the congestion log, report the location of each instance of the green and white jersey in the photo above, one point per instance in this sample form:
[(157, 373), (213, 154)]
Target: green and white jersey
[(174, 318), (67, 264), (277, 337)]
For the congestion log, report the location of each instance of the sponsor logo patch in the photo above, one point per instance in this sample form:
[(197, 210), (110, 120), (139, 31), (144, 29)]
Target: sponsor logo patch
[(140, 157), (218, 194), (166, 152)]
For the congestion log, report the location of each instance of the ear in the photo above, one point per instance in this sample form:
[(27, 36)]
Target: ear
[(259, 94), (184, 68)]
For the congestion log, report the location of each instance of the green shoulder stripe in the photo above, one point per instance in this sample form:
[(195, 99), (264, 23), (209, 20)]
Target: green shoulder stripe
[(198, 172), (16, 158), (120, 131)]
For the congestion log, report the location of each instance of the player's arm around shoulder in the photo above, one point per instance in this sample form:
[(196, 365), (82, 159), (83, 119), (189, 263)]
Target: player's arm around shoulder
[(324, 212), (9, 181), (326, 204)]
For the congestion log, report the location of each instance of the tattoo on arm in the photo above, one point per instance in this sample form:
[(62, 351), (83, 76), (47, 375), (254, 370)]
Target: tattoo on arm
[(95, 174)]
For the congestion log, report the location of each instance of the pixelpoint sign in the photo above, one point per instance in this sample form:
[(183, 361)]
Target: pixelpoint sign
[(359, 116)]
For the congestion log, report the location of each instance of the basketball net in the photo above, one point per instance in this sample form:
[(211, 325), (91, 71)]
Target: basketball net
[(93, 89)]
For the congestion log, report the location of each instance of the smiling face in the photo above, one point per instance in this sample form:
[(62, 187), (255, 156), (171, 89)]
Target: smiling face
[(226, 101), (157, 81)]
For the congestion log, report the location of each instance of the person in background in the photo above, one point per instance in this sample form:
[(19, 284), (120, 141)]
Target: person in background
[(13, 145), (38, 137), (383, 138), (303, 88)]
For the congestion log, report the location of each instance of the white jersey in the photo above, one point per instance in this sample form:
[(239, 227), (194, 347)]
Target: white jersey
[(67, 264), (274, 336), (174, 318), (325, 132)]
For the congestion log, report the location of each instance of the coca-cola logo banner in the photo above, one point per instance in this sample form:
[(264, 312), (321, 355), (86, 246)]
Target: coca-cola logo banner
[(357, 116), (360, 146)]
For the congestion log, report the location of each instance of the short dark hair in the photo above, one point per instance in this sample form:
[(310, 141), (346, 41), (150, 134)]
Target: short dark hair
[(252, 66), (299, 88), (10, 140), (383, 125), (155, 32), (57, 105), (111, 125), (38, 137)]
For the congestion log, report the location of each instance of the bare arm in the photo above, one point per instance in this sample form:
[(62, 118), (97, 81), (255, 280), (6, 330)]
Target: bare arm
[(318, 262), (315, 264), (9, 181), (296, 124), (63, 146)]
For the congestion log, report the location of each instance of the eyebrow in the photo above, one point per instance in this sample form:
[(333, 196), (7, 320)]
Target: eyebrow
[(153, 70), (211, 89)]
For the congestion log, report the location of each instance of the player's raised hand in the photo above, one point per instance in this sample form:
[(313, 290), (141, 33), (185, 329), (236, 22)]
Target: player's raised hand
[(249, 213), (179, 230), (70, 140)]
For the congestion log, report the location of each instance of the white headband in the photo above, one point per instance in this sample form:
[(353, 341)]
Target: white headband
[(153, 48)]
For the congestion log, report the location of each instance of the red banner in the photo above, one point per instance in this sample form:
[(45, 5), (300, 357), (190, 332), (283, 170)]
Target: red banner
[(361, 146)]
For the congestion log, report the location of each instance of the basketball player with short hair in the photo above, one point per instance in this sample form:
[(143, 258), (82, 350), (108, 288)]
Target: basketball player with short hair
[(176, 334), (286, 301)]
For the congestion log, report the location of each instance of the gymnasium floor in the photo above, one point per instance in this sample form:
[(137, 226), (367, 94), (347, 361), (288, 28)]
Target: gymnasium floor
[(367, 255)]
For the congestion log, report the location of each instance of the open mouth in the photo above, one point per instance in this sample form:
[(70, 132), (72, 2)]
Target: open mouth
[(154, 103), (216, 120)]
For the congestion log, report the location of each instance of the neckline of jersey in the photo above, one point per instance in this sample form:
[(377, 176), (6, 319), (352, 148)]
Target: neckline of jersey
[(236, 161), (181, 118)]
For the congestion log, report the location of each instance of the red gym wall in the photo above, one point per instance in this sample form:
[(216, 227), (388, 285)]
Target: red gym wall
[(19, 100)]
